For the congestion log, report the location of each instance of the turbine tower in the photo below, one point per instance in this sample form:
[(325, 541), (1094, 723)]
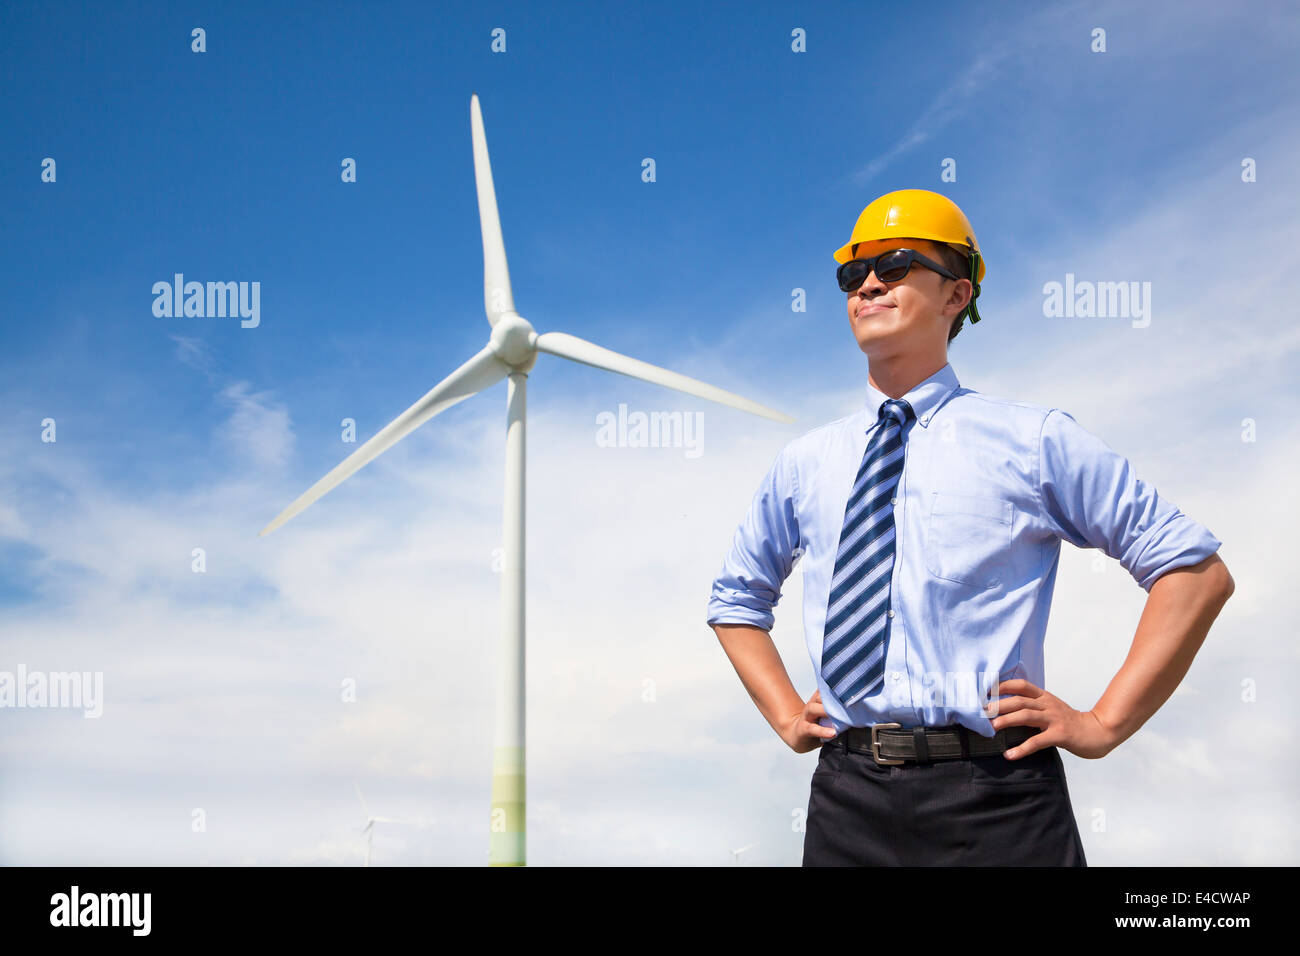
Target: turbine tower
[(510, 353)]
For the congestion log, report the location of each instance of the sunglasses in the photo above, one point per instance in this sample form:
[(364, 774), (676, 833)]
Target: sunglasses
[(889, 266)]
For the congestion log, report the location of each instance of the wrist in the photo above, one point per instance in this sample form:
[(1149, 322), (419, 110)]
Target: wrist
[(787, 728), (1111, 729)]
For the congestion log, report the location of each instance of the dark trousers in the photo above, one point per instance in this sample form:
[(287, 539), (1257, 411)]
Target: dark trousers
[(975, 811)]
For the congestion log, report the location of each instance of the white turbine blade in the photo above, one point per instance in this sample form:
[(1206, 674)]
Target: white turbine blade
[(478, 373), (497, 297), (364, 809), (390, 820), (580, 350)]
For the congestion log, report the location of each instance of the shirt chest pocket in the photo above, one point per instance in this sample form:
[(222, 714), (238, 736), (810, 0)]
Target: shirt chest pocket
[(968, 539)]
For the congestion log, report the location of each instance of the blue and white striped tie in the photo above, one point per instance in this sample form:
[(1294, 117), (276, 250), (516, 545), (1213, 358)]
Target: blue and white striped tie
[(857, 621)]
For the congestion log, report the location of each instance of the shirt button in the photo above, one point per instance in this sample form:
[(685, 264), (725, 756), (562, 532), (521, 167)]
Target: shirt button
[(897, 675), (891, 613), (925, 419), (893, 501)]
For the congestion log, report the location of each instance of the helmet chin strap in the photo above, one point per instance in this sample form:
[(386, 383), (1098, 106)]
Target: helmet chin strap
[(975, 290)]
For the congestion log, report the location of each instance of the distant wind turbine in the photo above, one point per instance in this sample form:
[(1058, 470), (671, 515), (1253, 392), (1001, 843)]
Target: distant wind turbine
[(735, 854), (369, 828), (510, 354)]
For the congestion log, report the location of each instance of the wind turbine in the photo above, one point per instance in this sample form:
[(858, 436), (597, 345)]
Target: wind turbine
[(369, 828), (511, 351), (735, 854)]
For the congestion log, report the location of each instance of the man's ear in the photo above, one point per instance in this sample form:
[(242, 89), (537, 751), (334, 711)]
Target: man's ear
[(972, 293)]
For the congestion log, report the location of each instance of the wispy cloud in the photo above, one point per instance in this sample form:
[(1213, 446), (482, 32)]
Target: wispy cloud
[(195, 353), (258, 431), (1002, 47), (952, 98)]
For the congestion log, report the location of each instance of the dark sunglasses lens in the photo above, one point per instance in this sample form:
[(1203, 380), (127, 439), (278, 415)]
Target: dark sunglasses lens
[(851, 274), (889, 267), (892, 266)]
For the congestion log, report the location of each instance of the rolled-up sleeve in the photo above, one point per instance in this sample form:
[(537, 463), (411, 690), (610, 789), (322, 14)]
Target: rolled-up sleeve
[(763, 553), (1092, 498)]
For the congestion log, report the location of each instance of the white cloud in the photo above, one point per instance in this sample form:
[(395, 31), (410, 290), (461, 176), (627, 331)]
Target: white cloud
[(258, 431), (195, 353)]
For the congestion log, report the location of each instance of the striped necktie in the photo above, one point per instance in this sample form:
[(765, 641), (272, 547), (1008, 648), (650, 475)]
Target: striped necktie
[(857, 617)]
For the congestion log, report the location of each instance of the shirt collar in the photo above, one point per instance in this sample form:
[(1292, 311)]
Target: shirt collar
[(925, 397)]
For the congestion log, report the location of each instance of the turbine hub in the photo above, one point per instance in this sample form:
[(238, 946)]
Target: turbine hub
[(514, 341)]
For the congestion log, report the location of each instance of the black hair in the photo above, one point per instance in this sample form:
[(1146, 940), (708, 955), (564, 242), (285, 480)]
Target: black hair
[(958, 263)]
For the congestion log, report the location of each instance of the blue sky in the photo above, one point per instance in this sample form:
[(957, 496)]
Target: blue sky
[(175, 433)]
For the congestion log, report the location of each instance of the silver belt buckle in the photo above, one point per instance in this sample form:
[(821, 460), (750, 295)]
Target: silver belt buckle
[(875, 743)]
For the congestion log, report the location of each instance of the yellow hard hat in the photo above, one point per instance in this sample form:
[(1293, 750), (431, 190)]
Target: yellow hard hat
[(919, 214)]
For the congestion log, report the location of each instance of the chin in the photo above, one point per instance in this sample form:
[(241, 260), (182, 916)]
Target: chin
[(874, 337), (868, 330)]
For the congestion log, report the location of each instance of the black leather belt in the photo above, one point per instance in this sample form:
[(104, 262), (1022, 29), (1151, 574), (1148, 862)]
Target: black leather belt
[(893, 744)]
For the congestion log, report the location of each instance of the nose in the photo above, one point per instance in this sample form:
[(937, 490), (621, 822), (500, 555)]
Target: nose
[(871, 286)]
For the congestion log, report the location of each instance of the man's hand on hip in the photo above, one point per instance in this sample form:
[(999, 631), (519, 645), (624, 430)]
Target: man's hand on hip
[(1079, 732), (802, 732)]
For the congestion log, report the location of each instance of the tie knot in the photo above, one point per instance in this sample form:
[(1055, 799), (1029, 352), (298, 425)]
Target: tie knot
[(898, 410)]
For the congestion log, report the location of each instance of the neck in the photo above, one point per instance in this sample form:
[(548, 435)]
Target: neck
[(898, 375)]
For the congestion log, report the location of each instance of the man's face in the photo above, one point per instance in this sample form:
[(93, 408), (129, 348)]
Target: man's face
[(908, 315)]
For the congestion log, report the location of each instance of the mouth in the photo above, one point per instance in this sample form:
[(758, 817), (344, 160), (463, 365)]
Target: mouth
[(869, 309)]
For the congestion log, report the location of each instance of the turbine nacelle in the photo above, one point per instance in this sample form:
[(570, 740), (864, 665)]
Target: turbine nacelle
[(514, 340)]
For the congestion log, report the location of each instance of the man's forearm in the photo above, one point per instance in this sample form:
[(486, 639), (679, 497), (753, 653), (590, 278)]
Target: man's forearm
[(1180, 608), (761, 670)]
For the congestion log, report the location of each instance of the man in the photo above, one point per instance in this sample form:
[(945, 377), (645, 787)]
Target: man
[(929, 526)]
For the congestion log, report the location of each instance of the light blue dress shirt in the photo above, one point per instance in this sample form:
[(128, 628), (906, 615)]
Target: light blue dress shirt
[(989, 489)]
